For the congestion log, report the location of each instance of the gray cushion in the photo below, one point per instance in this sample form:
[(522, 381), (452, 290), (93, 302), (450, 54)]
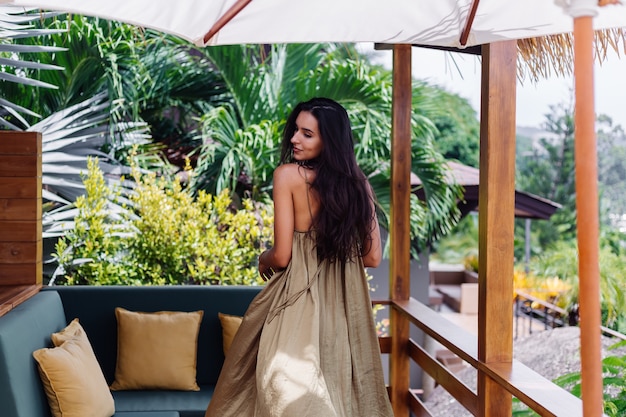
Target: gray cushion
[(188, 403), (147, 414), (23, 330)]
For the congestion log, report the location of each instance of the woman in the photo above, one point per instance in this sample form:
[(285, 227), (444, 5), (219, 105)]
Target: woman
[(307, 346)]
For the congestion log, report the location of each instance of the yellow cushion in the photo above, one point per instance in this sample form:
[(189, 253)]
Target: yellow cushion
[(71, 376), (230, 325), (156, 350)]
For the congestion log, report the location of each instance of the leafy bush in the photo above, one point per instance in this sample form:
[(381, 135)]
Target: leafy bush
[(614, 383), (165, 236), (562, 262), (90, 252)]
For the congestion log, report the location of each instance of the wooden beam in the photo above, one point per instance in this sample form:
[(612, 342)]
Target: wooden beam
[(587, 223), (496, 220), (400, 268)]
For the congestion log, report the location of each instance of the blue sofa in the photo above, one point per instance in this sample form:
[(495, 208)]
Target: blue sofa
[(28, 327)]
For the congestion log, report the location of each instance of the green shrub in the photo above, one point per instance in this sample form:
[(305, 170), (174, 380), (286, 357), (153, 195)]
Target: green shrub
[(614, 383), (90, 253), (165, 236)]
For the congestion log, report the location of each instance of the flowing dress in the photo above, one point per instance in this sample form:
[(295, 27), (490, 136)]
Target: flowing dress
[(307, 346)]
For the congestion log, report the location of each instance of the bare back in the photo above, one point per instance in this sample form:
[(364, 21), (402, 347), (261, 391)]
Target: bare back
[(306, 202)]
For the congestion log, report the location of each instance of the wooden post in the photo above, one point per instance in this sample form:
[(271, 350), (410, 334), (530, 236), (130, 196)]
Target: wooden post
[(587, 219), (496, 219), (400, 262), (20, 217)]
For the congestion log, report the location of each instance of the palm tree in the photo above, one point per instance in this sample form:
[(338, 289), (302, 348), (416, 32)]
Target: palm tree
[(241, 138), (15, 23)]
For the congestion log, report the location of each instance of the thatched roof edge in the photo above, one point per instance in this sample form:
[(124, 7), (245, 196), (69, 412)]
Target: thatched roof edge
[(554, 54)]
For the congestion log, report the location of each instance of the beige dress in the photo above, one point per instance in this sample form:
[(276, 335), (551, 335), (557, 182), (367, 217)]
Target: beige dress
[(307, 346)]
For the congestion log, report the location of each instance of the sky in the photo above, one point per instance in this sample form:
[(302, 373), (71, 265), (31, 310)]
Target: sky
[(533, 99)]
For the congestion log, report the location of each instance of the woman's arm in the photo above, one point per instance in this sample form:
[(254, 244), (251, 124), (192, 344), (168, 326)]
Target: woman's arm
[(279, 255), (372, 247)]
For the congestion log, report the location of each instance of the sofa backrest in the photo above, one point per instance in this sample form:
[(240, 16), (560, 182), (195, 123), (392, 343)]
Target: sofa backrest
[(95, 308), (23, 330)]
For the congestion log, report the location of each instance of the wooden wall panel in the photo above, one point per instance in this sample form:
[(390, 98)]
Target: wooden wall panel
[(20, 230), (21, 266), (20, 209), (20, 166), (20, 252), (20, 143), (21, 274), (20, 187)]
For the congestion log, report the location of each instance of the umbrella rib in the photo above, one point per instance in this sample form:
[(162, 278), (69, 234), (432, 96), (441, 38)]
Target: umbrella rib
[(225, 18), (469, 23)]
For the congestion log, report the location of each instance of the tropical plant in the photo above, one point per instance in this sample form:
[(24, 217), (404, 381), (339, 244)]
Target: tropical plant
[(458, 131), (613, 381), (69, 137), (458, 245), (562, 262), (546, 171), (15, 24), (241, 139), (89, 252), (162, 236), (149, 77)]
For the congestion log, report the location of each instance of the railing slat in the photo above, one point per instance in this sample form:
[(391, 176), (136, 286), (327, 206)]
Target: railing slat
[(417, 406), (444, 377), (458, 340), (543, 396), (540, 394)]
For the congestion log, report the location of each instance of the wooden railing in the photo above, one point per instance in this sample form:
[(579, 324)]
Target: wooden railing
[(538, 393)]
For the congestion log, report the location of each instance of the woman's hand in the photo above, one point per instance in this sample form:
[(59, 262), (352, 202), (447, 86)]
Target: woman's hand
[(265, 270)]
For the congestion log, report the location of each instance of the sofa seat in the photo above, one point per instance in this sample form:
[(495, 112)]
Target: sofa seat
[(462, 298), (28, 327), (187, 403)]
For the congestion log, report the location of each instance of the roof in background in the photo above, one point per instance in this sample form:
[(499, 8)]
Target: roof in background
[(527, 205)]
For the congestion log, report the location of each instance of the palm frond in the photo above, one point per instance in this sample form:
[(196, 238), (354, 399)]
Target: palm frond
[(15, 24)]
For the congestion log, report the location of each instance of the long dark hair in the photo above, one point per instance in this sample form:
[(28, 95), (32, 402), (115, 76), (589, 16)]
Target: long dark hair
[(343, 223)]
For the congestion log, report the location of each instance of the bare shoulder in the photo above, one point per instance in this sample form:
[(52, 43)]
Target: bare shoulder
[(289, 174)]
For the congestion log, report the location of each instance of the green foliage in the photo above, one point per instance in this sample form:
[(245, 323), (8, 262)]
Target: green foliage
[(90, 251), (613, 380), (611, 173), (457, 246), (547, 171), (562, 262), (169, 238), (458, 131), (241, 139), (21, 66)]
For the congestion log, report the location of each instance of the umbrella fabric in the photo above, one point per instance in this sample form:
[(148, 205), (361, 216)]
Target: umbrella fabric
[(426, 22)]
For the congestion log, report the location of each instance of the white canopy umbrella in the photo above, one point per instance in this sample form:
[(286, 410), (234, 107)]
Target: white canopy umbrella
[(425, 22), (441, 23)]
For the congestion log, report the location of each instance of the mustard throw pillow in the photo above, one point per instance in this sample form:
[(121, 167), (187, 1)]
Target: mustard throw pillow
[(71, 376), (156, 350), (230, 325)]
